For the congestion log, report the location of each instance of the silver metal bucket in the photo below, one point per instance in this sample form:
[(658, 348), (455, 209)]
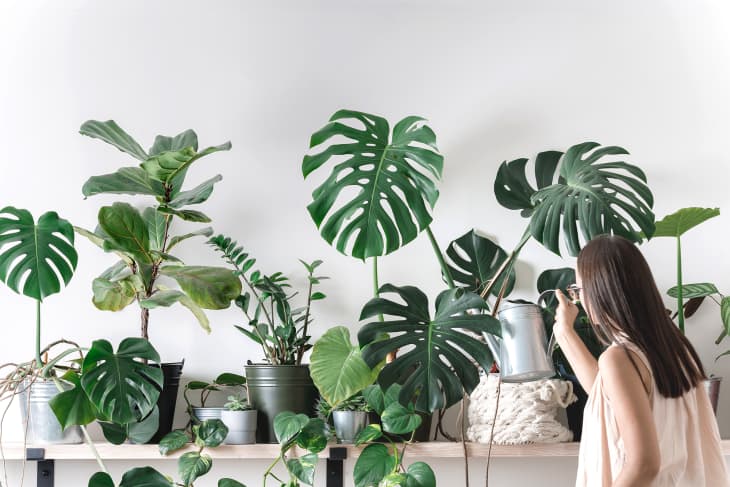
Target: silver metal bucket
[(42, 425), (522, 354), (348, 424), (712, 386)]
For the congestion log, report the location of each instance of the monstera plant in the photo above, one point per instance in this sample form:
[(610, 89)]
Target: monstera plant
[(36, 259), (142, 240)]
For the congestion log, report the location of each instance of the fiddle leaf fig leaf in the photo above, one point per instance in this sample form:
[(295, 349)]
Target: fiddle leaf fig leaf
[(126, 180), (187, 215), (475, 261), (125, 230), (197, 195), (35, 258), (440, 365), (337, 367), (113, 134), (373, 464), (393, 174), (208, 287), (579, 194), (113, 295), (683, 220), (156, 226), (120, 386), (167, 298), (204, 232), (182, 140)]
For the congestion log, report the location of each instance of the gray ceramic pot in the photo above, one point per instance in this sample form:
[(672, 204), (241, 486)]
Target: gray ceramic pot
[(201, 414), (348, 424), (241, 427)]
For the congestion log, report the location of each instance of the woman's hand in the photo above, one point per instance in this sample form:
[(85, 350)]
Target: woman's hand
[(565, 316)]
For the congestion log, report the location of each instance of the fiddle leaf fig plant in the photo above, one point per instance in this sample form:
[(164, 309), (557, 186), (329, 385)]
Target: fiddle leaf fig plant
[(439, 368), (36, 258), (143, 240)]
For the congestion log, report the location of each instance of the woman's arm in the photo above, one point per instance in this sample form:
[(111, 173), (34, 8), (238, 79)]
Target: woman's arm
[(583, 363), (625, 390)]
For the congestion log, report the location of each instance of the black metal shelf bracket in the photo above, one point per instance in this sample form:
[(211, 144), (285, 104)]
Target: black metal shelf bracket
[(335, 467), (45, 469)]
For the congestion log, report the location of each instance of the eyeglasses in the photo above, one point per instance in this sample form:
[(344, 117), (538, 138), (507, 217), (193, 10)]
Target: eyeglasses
[(574, 292)]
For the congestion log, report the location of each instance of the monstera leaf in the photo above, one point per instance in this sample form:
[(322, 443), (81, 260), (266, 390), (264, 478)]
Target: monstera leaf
[(475, 261), (440, 366), (394, 177), (121, 387), (586, 195), (34, 256)]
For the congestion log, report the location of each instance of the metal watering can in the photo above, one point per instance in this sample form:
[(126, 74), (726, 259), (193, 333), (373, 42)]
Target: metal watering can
[(523, 353)]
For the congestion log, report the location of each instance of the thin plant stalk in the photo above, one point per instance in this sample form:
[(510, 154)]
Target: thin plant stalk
[(680, 297), (440, 256), (39, 362)]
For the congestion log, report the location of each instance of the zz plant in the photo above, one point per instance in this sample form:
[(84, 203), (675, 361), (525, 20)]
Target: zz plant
[(143, 240)]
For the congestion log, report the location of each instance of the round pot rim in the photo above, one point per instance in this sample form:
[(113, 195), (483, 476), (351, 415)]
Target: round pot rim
[(275, 365)]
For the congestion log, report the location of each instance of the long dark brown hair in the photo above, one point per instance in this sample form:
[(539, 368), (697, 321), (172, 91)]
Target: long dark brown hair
[(623, 302)]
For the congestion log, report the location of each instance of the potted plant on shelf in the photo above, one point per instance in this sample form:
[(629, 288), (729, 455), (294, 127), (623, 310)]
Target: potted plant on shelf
[(340, 374), (36, 260), (201, 412), (690, 296), (240, 418), (143, 240), (283, 383)]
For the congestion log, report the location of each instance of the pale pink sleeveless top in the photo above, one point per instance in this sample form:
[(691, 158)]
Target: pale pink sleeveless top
[(689, 439)]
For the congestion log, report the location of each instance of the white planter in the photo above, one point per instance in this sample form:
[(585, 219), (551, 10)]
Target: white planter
[(241, 427), (201, 414)]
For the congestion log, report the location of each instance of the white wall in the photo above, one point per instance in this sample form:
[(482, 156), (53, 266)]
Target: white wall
[(497, 80)]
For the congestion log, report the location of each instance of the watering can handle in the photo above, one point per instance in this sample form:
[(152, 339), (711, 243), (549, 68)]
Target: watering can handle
[(552, 343)]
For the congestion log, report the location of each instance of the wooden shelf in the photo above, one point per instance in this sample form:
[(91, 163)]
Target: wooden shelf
[(432, 449)]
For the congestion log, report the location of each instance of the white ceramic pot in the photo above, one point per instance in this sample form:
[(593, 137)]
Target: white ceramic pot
[(241, 427)]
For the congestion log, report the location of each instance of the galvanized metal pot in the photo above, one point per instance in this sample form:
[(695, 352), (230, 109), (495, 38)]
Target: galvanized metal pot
[(276, 388), (201, 414), (241, 427), (348, 424), (712, 386), (41, 423)]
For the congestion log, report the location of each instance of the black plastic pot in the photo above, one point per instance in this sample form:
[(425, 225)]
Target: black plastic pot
[(575, 410), (276, 388), (168, 397)]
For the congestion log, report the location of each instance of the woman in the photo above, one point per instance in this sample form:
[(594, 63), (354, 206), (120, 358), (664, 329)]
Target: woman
[(648, 420)]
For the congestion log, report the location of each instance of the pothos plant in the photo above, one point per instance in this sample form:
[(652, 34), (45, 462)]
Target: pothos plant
[(205, 389), (281, 330), (191, 465), (143, 240)]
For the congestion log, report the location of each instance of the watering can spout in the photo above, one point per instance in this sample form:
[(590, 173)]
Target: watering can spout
[(495, 346)]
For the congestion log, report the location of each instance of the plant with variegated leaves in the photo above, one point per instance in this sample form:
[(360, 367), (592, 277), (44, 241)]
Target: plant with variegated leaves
[(142, 240)]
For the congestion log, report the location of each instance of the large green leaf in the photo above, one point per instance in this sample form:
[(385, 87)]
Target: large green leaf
[(173, 441), (314, 436), (197, 195), (204, 232), (420, 475), (120, 386), (474, 262), (209, 287), (393, 177), (725, 313), (440, 365), (187, 215), (139, 432), (167, 298), (337, 367), (114, 295), (229, 483), (101, 479), (586, 195), (370, 433), (373, 464), (126, 180), (125, 230), (164, 143), (72, 407), (113, 134), (34, 256), (679, 222), (156, 227), (398, 419), (145, 477), (210, 432), (170, 167), (303, 467)]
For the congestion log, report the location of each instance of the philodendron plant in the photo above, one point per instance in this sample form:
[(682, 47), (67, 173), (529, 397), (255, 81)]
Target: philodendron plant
[(292, 430), (143, 240)]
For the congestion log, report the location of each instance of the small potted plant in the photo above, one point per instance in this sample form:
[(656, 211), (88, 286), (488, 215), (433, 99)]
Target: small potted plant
[(240, 418), (202, 412), (282, 382)]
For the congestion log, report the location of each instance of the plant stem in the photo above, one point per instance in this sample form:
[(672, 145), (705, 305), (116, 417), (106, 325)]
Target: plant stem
[(376, 284), (300, 353), (508, 263), (440, 256), (680, 297), (145, 322), (39, 362)]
